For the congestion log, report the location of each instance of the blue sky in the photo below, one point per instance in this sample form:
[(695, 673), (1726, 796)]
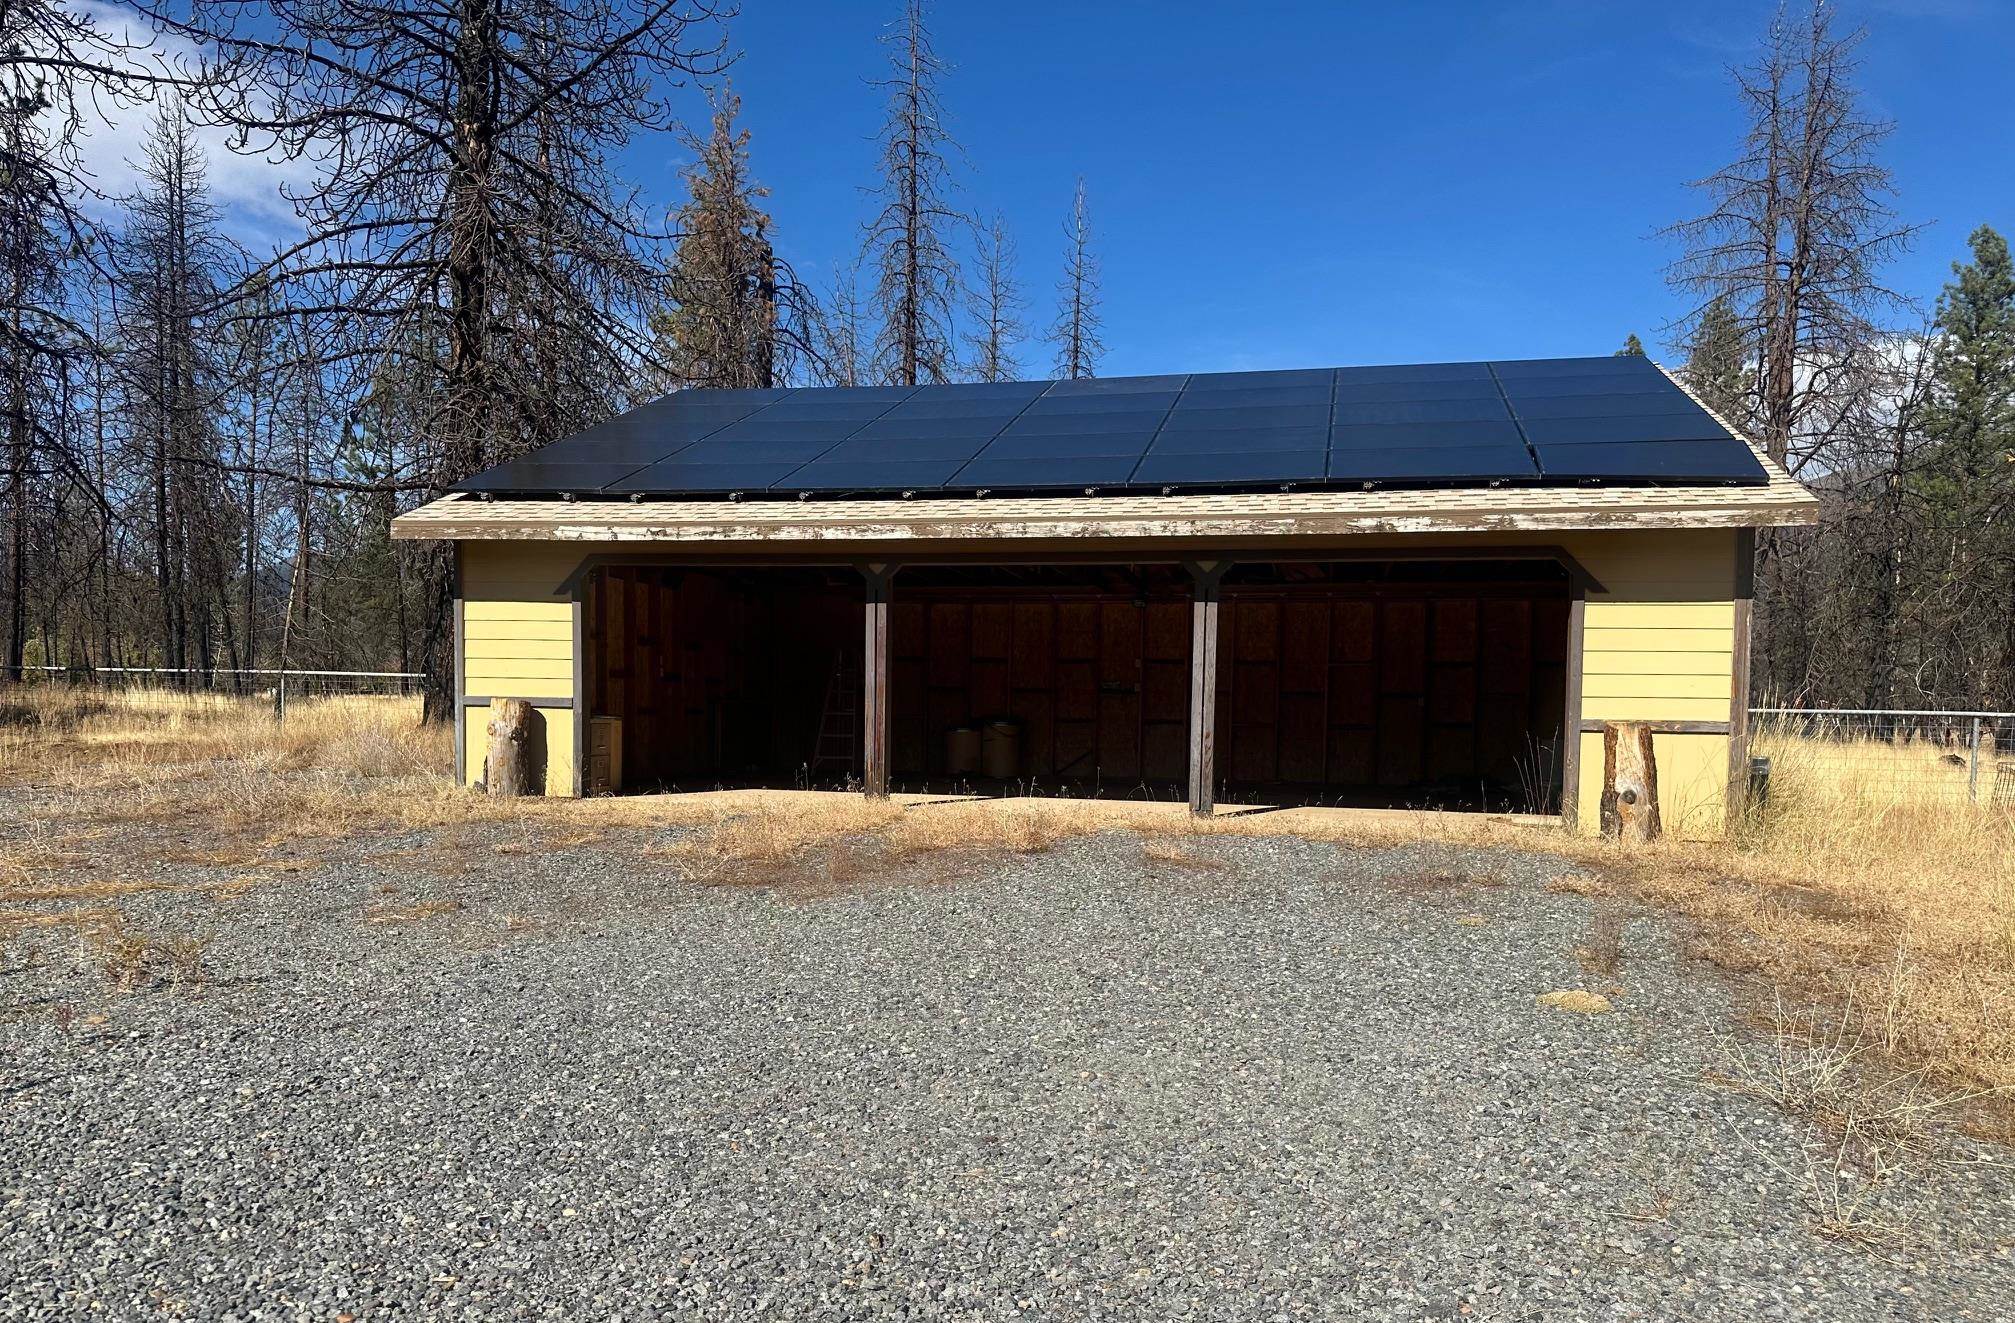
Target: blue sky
[(1300, 184)]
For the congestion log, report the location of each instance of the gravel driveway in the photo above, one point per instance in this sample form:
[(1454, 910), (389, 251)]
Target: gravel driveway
[(1299, 1081)]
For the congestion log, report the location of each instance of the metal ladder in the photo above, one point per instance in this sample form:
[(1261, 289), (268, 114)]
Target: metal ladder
[(839, 721)]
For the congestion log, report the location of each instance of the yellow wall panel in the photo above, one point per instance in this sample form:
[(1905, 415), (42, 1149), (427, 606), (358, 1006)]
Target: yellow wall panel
[(559, 625), (1667, 641), (1654, 709), (506, 612), (1600, 661), (556, 729), (1606, 613), (479, 669), (1641, 681), (523, 649), (527, 571)]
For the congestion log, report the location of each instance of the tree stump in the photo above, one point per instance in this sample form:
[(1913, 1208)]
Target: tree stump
[(1629, 783), (510, 768)]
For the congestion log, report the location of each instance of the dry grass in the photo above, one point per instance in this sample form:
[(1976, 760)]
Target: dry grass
[(131, 958), (1854, 890), (1875, 1123)]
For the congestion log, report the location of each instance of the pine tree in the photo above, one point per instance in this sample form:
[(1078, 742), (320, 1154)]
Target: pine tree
[(1967, 487), (908, 241), (996, 307), (1632, 347), (1972, 413), (1715, 366), (1075, 333), (723, 327)]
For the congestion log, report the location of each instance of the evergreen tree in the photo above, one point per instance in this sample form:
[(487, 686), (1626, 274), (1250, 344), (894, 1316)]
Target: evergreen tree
[(1632, 347), (1715, 366), (1971, 417), (723, 327), (1075, 333), (1967, 485)]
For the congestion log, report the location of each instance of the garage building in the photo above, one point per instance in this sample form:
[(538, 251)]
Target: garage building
[(1421, 585)]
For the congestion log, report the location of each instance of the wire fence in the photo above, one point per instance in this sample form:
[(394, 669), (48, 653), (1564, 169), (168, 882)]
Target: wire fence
[(279, 685), (1956, 758)]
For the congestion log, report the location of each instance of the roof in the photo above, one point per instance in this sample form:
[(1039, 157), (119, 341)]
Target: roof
[(1193, 517), (1585, 422)]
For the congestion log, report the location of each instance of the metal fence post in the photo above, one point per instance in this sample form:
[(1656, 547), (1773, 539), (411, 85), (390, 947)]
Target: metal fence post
[(1973, 764)]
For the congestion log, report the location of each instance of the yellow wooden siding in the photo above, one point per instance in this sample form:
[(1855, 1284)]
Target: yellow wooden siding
[(557, 728), (1692, 783), (518, 642), (1661, 631)]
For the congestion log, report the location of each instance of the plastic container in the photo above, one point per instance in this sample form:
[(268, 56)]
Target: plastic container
[(962, 750), (1000, 750)]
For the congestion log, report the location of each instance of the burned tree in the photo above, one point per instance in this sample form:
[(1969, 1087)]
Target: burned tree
[(1785, 267), (1794, 241), (997, 306), (738, 316), (465, 185), (908, 240), (1075, 333)]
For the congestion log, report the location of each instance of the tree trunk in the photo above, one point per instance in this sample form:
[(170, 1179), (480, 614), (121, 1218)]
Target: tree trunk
[(1629, 783), (510, 768)]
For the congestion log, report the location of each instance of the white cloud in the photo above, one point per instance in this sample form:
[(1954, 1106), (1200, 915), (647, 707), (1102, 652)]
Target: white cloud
[(245, 188)]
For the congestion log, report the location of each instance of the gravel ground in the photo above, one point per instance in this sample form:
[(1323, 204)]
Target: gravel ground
[(1302, 1082)]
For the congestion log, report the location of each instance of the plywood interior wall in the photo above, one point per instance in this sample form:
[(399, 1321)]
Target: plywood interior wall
[(1097, 682), (715, 676), (1367, 686)]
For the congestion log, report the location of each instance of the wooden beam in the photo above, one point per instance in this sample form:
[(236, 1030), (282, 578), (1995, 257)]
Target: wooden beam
[(1570, 723), (1738, 681), (578, 785), (1208, 577), (461, 672), (880, 578)]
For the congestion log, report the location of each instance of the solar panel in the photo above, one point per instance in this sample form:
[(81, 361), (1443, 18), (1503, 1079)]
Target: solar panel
[(1259, 439), (1436, 464), (1422, 411), (1221, 420), (1383, 436), (1607, 431), (1036, 474), (1568, 420), (1381, 392), (672, 478), (541, 475), (885, 474), (1202, 383), (1726, 460), (1221, 468), (1604, 406), (1065, 445), (862, 448)]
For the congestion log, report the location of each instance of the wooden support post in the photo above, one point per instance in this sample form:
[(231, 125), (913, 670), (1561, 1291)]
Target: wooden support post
[(875, 682), (1208, 577), (1629, 783), (1738, 686), (511, 766), (1570, 719)]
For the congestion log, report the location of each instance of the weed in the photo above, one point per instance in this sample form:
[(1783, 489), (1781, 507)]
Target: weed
[(131, 958)]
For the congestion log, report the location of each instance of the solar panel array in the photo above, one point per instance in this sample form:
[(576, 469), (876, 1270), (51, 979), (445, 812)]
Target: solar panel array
[(1529, 422)]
